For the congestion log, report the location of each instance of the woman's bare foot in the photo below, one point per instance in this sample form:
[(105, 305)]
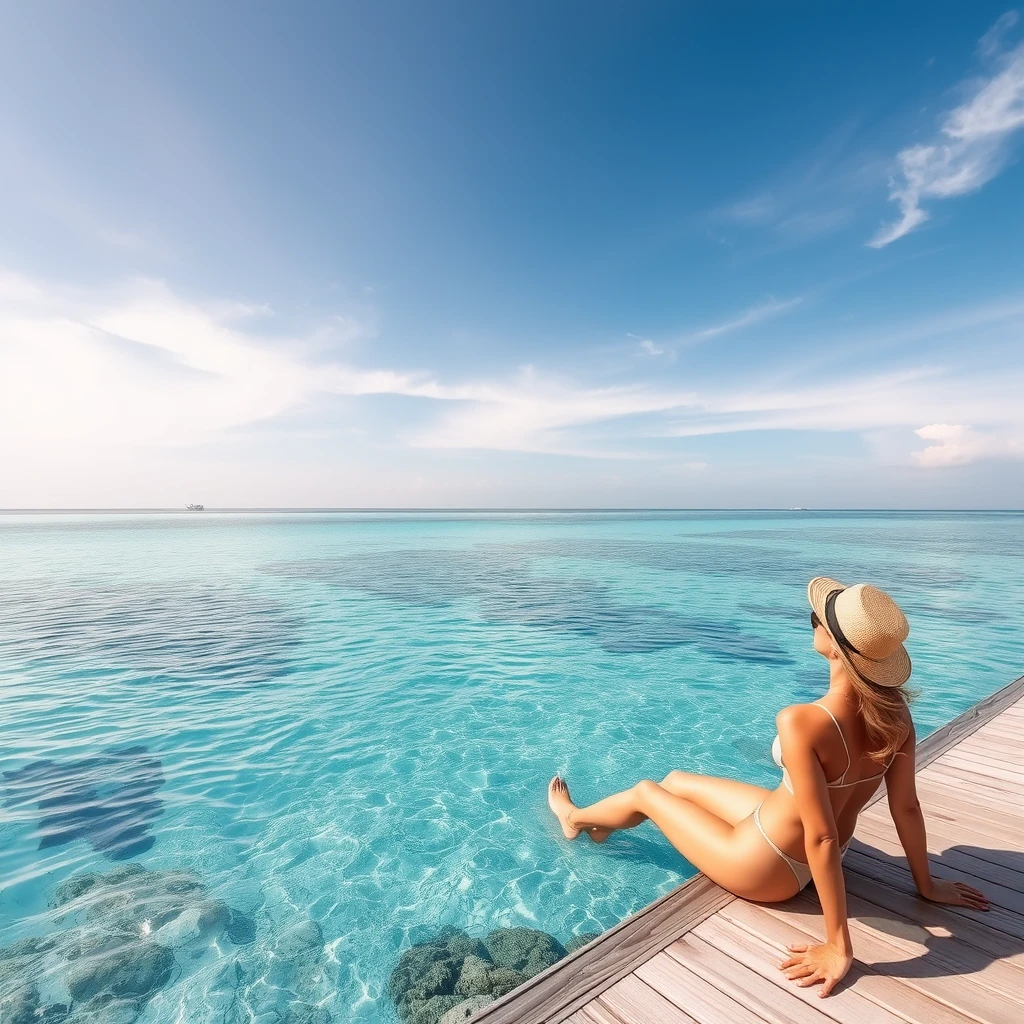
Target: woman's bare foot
[(561, 804)]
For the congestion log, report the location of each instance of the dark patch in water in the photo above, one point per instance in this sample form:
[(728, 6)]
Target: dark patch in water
[(181, 632), (775, 611), (507, 591), (107, 800)]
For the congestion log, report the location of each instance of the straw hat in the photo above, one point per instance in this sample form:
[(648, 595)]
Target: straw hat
[(867, 626)]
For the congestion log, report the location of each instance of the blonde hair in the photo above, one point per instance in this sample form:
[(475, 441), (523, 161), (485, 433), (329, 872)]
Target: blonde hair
[(883, 709)]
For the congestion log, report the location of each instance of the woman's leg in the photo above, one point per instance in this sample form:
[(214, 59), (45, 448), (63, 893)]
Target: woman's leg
[(730, 800), (733, 857)]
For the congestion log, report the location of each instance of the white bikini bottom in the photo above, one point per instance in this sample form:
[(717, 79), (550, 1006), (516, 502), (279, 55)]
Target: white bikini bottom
[(801, 871)]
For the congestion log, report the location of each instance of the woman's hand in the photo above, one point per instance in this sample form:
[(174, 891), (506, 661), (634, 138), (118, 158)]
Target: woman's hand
[(826, 963), (957, 894)]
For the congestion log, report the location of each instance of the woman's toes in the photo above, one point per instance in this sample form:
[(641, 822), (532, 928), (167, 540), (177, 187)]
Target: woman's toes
[(561, 805)]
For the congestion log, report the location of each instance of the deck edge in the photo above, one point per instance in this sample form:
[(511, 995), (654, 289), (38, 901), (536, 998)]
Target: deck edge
[(558, 992)]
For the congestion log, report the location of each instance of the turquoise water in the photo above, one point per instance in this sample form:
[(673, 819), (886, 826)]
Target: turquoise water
[(351, 719)]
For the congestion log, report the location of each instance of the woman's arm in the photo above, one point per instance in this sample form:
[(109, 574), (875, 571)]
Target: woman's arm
[(829, 962), (905, 808)]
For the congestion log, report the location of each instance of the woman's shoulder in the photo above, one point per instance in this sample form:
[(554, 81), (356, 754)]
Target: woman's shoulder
[(805, 718)]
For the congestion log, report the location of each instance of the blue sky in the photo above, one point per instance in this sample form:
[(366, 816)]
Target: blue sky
[(533, 254)]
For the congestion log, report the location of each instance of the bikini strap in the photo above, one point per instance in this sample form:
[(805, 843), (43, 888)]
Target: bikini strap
[(849, 761)]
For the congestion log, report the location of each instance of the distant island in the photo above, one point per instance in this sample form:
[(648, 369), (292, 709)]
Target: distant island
[(194, 508)]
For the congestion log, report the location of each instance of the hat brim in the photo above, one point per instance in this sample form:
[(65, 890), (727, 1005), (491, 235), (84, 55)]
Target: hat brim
[(892, 671)]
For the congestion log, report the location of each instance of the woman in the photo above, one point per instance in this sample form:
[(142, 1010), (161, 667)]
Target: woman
[(766, 845)]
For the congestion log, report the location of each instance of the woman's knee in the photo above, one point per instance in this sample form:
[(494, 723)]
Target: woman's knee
[(645, 789), (676, 781)]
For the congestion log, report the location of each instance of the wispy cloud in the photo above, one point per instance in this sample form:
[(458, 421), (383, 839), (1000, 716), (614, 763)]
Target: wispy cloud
[(753, 315), (973, 143), (143, 369), (647, 345)]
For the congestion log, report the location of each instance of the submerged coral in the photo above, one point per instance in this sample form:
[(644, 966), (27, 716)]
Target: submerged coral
[(450, 977), (125, 935)]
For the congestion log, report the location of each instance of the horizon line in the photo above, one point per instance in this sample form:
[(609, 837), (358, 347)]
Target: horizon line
[(177, 509)]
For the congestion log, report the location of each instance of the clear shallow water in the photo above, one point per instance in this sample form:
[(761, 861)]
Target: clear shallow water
[(351, 718)]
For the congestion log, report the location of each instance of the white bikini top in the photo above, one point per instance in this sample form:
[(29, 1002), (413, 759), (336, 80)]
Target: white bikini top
[(839, 783)]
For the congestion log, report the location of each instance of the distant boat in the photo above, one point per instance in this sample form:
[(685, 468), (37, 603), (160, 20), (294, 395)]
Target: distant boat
[(194, 508)]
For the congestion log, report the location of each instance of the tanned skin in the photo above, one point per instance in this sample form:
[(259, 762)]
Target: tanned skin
[(709, 820)]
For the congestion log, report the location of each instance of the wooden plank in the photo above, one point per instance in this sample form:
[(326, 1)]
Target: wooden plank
[(594, 1013), (969, 827), (949, 796), (1000, 744), (1005, 790), (890, 995), (1000, 728), (635, 1002), (943, 855), (973, 929), (960, 809), (1007, 919), (933, 788), (701, 999), (763, 949), (998, 733), (937, 742), (981, 764), (940, 837), (571, 983), (741, 984), (879, 933), (882, 956)]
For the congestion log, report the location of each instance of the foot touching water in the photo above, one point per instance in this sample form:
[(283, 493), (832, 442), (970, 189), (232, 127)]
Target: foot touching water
[(561, 804)]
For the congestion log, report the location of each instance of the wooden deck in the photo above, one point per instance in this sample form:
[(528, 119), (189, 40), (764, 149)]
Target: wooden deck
[(701, 956)]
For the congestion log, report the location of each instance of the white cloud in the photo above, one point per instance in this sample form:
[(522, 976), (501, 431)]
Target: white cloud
[(958, 445), (144, 367), (973, 143), (90, 382)]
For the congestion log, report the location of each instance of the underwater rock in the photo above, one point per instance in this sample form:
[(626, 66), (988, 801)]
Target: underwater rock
[(115, 949), (482, 977), (52, 1013), (305, 1013), (106, 1011), (299, 940), (464, 1010), (241, 928), (523, 949), (107, 800), (204, 920), (435, 977), (133, 901), (579, 941), (133, 972), (20, 1006), (431, 1010)]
